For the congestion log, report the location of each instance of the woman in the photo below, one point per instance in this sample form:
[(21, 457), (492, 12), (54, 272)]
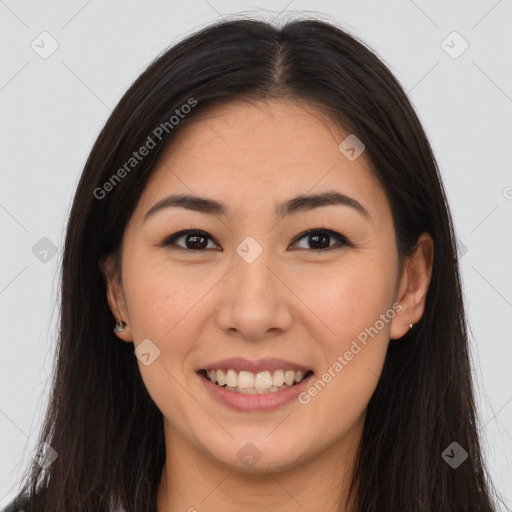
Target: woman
[(261, 300)]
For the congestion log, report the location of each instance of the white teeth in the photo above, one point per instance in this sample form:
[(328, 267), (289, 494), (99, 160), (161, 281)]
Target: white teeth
[(299, 376), (231, 379), (278, 378), (289, 377), (263, 380), (221, 377), (255, 383), (245, 379)]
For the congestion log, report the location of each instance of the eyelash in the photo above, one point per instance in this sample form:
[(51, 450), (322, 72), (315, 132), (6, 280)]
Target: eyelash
[(342, 240)]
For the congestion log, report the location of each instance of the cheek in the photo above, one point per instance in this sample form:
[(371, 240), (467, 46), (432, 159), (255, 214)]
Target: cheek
[(167, 303), (164, 306), (351, 303), (348, 298)]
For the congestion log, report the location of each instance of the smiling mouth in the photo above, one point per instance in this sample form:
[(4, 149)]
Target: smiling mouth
[(255, 383)]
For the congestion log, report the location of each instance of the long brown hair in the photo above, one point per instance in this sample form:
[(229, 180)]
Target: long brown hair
[(106, 429)]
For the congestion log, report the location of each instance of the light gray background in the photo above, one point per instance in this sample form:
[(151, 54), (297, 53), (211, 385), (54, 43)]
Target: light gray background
[(52, 110)]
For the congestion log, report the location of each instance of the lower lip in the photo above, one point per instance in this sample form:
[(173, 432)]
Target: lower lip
[(263, 402)]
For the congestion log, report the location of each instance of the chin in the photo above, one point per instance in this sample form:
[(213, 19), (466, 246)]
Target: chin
[(255, 454)]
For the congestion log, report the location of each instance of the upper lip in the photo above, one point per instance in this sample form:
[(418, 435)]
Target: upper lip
[(261, 365)]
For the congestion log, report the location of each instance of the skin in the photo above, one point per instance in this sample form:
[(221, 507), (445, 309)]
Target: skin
[(293, 302)]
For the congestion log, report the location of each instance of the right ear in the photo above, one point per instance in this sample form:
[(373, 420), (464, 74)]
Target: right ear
[(115, 296)]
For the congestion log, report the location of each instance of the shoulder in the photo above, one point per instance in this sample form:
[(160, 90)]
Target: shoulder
[(18, 504)]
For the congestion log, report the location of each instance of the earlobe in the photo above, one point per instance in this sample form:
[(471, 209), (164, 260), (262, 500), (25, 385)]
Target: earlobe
[(115, 300), (120, 326), (414, 284)]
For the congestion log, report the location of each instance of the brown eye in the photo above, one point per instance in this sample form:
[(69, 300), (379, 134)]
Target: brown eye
[(193, 240), (318, 239)]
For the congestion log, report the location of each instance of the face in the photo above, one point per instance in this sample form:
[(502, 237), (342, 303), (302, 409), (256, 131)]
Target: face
[(244, 288)]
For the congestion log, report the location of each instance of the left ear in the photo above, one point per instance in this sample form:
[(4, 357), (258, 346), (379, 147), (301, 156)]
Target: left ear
[(413, 288)]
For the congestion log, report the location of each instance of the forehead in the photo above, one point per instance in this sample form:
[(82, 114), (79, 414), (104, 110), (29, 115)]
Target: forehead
[(289, 133), (248, 151)]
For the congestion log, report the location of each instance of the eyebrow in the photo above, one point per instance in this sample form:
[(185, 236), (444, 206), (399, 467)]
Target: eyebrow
[(297, 204)]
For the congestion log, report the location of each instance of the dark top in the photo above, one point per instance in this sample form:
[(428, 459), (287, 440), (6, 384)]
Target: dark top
[(19, 504)]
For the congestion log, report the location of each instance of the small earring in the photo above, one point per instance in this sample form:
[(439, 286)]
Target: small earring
[(120, 326), (410, 326)]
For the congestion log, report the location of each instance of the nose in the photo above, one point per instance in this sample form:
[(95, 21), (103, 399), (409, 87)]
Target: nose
[(255, 301)]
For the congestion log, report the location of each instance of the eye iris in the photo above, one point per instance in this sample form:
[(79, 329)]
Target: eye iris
[(316, 236), (194, 239)]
